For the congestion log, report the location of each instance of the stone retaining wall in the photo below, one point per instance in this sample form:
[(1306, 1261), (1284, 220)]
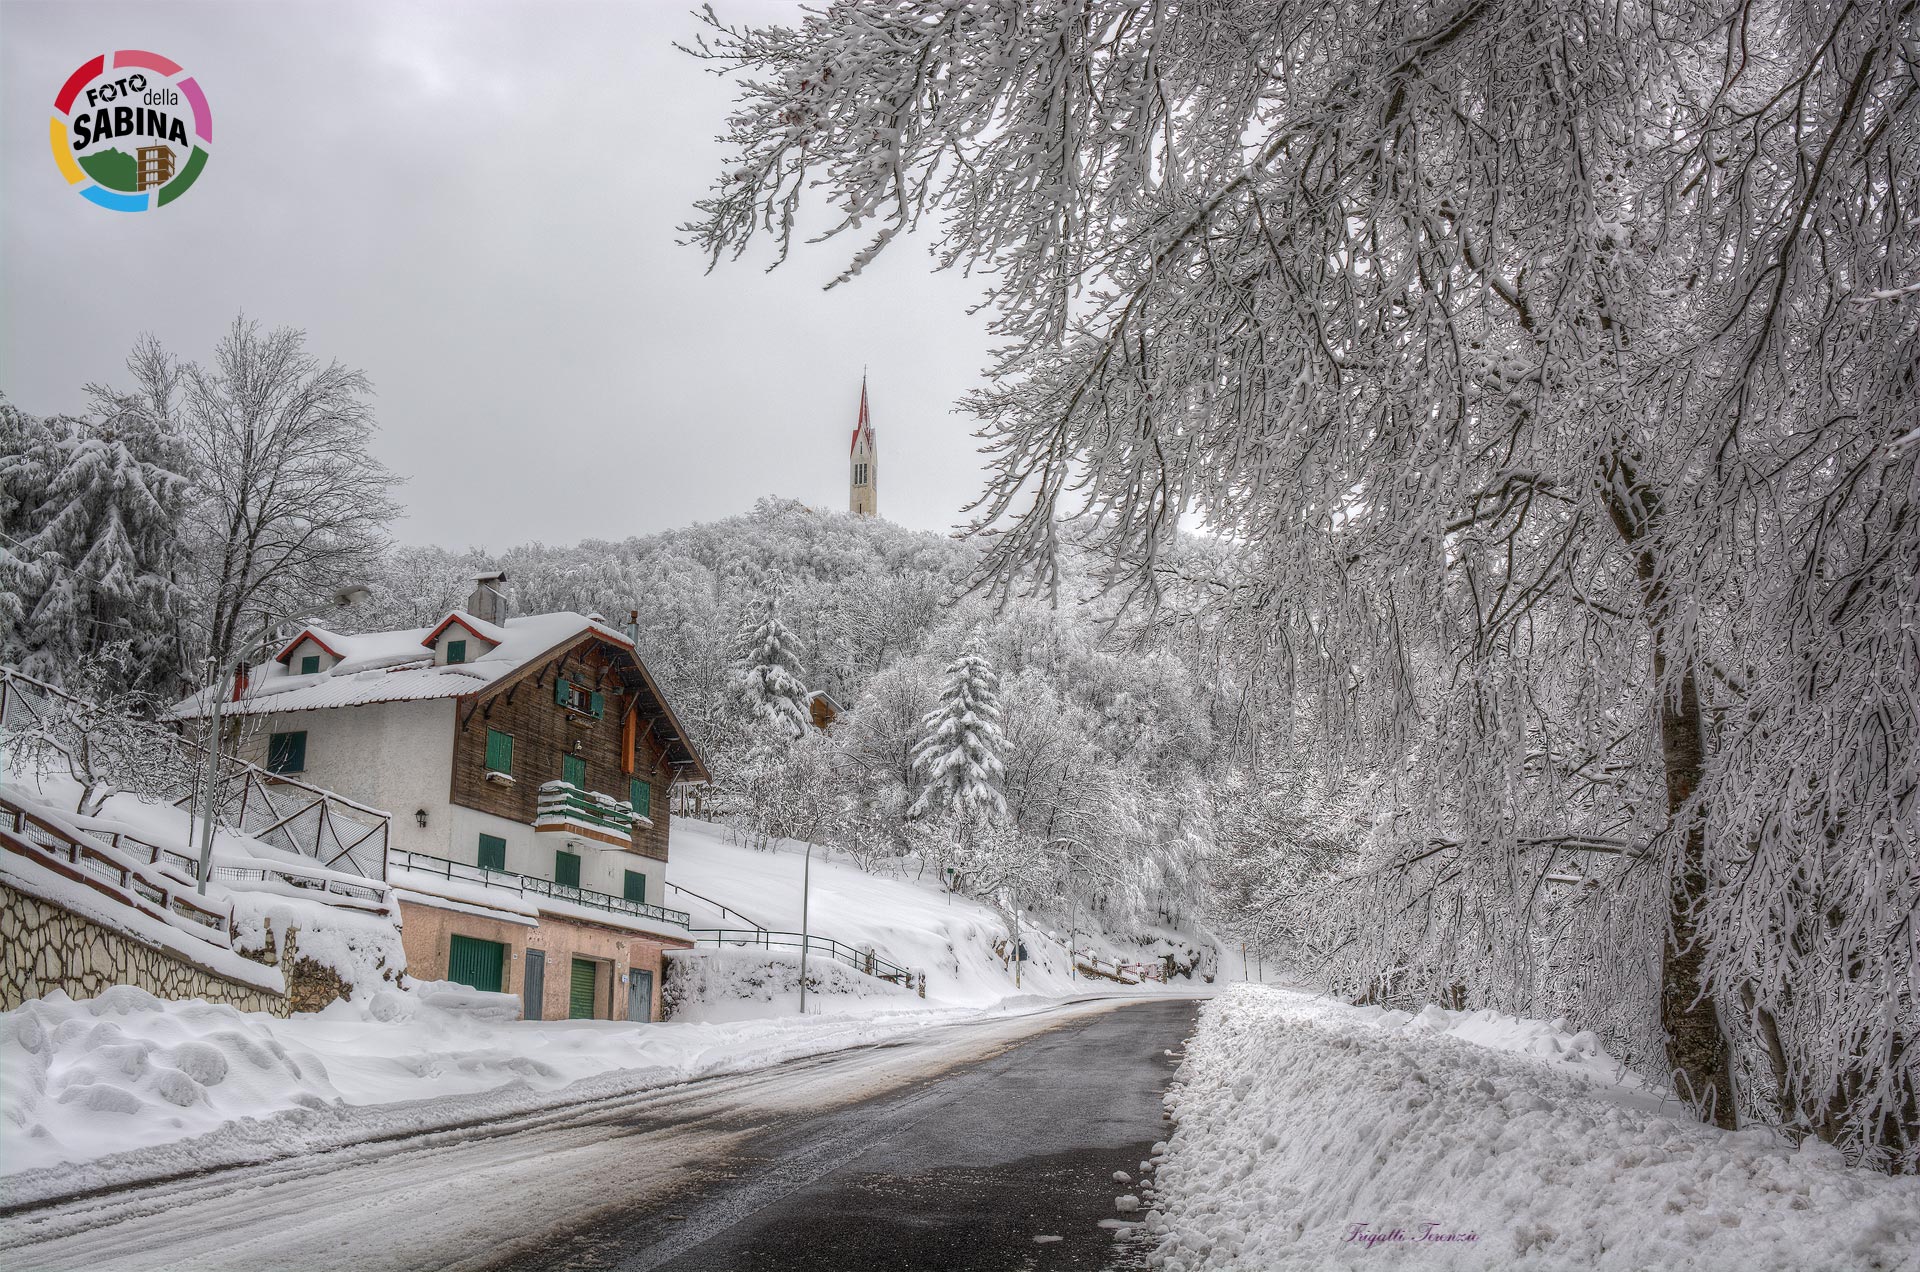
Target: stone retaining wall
[(44, 947)]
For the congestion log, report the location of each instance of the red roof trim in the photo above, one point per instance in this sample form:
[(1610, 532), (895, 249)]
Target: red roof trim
[(455, 618), (864, 424), (306, 633)]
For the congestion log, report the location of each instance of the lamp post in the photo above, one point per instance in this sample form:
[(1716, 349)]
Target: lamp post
[(806, 878)]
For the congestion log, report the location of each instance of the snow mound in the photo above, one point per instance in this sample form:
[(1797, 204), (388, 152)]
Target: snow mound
[(741, 984), (1312, 1134), (126, 1070)]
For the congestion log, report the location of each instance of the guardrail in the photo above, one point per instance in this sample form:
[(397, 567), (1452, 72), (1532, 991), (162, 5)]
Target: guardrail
[(110, 870), (521, 885), (859, 958), (720, 906)]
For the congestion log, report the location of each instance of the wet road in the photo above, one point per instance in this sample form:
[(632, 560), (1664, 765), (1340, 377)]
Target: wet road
[(1004, 1163), (951, 1148)]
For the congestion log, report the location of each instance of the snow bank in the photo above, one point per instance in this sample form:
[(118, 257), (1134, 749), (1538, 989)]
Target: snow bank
[(1312, 1135), (743, 984), (127, 1086)]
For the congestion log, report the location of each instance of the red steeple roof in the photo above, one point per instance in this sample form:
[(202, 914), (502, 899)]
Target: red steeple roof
[(863, 424)]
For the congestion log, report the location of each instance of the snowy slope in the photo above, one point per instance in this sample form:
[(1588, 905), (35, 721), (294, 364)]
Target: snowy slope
[(1312, 1135), (912, 922)]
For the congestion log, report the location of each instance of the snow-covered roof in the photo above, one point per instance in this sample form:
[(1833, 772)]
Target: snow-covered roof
[(399, 666)]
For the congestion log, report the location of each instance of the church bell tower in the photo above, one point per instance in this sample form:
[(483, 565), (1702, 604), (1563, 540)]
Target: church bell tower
[(863, 479)]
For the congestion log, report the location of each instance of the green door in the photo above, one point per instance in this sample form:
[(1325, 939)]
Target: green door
[(580, 992), (566, 869), (481, 964)]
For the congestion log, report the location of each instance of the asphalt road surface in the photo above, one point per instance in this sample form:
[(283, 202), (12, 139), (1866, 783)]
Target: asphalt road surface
[(948, 1151)]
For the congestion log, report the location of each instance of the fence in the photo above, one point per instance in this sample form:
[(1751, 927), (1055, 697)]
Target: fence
[(860, 959), (724, 909), (520, 885), (108, 865), (281, 811)]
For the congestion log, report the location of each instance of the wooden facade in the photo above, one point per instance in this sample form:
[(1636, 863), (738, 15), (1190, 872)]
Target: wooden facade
[(623, 742)]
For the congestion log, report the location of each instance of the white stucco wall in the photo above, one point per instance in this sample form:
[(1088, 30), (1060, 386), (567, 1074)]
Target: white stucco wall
[(396, 756)]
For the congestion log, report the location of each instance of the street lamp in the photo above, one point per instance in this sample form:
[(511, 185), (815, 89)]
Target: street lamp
[(806, 874)]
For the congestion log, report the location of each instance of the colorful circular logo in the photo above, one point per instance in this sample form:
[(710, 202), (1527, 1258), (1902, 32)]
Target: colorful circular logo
[(132, 135)]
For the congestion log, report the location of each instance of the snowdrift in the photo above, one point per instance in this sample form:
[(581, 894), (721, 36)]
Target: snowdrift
[(742, 984), (1313, 1135)]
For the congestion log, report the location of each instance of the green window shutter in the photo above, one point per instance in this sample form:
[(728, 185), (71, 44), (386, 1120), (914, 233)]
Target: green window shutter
[(566, 869), (481, 964), (636, 887), (598, 705), (287, 752), (562, 691), (573, 771), (640, 795), (499, 751), (493, 852), (456, 651), (580, 993), (310, 665)]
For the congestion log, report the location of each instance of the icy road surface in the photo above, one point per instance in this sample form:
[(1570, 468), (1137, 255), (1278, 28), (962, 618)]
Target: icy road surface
[(957, 1148)]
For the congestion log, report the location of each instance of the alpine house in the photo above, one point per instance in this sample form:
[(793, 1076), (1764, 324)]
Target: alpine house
[(526, 763)]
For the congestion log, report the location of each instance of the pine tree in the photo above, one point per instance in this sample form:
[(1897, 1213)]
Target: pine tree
[(96, 558), (961, 750), (770, 683)]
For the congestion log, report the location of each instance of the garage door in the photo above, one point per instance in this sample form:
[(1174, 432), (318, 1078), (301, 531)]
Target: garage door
[(580, 997), (481, 964)]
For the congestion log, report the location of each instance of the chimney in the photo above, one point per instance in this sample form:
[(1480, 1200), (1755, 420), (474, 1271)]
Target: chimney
[(489, 600), (240, 673)]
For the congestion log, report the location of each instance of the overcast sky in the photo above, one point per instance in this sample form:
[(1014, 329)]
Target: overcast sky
[(476, 204)]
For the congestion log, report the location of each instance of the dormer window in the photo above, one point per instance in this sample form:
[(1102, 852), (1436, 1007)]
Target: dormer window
[(459, 639), (456, 652), (310, 653)]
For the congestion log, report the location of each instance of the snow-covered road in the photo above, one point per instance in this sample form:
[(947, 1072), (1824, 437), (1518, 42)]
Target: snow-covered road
[(475, 1197)]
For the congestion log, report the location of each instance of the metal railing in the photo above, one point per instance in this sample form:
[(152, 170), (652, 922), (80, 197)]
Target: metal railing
[(723, 908), (861, 959), (521, 885), (111, 870)]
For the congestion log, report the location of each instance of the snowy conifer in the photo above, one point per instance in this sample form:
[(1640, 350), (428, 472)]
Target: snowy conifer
[(962, 749), (770, 683)]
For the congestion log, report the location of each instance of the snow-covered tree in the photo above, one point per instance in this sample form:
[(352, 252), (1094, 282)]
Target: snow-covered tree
[(94, 510), (291, 501), (1547, 383), (961, 751), (769, 667)]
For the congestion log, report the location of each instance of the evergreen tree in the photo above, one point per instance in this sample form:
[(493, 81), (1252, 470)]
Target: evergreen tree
[(93, 559), (961, 750), (770, 683)]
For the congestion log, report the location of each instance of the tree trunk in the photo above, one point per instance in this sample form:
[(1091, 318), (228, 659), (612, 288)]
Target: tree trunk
[(1696, 1047), (1697, 1051)]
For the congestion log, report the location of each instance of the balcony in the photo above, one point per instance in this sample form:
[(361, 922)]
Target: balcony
[(527, 886), (565, 807)]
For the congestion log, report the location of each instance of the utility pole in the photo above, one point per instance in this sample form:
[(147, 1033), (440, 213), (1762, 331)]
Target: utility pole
[(806, 879), (212, 777)]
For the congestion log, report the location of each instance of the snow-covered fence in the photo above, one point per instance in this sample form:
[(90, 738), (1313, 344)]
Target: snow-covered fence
[(335, 831), (276, 810), (110, 867), (861, 959)]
